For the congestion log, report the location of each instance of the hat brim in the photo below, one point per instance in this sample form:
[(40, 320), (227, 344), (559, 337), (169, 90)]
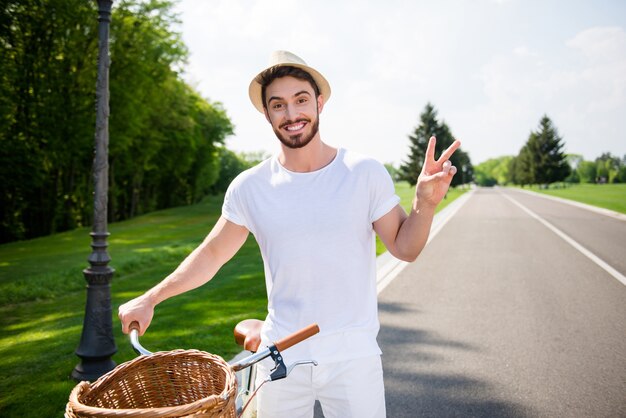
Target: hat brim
[(254, 91)]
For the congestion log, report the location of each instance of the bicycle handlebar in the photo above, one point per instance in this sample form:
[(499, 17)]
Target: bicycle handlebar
[(281, 344), (134, 339), (297, 337)]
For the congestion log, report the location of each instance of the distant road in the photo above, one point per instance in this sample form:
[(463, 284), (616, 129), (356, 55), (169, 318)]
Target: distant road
[(515, 309)]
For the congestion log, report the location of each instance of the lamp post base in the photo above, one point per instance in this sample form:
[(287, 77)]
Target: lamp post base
[(92, 369), (97, 344)]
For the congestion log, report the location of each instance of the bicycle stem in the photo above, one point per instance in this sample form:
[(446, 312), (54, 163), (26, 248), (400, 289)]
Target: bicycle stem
[(251, 359)]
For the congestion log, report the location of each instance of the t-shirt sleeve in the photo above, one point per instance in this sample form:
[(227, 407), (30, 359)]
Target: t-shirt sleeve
[(384, 197), (232, 208)]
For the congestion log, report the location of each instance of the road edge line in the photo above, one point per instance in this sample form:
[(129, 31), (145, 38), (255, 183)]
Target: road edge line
[(388, 267), (602, 211), (601, 263)]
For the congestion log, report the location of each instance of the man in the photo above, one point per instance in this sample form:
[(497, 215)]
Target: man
[(314, 211)]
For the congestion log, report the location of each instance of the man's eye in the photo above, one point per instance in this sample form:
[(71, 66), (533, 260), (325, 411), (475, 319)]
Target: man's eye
[(302, 100), (277, 106)]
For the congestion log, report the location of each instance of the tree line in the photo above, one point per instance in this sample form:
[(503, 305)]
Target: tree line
[(166, 141), (542, 161)]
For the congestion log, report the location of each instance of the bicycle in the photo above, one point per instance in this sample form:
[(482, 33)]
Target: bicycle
[(182, 383)]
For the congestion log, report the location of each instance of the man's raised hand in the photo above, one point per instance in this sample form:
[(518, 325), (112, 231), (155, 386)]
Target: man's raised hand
[(434, 180)]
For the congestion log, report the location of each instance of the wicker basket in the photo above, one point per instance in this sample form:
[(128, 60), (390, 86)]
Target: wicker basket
[(178, 383)]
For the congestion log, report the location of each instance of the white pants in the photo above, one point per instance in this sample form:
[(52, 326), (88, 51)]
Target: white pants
[(349, 389)]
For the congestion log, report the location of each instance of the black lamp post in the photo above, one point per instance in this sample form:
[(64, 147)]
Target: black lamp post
[(97, 344)]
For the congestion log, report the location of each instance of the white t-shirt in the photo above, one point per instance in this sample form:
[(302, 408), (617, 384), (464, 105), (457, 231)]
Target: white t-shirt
[(317, 241)]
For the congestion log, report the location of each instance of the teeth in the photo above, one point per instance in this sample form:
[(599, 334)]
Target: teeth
[(295, 127)]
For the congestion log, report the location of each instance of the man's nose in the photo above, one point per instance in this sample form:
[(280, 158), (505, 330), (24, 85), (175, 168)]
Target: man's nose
[(290, 111)]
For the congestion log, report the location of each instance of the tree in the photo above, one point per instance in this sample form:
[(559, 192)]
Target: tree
[(493, 171), (524, 165), (607, 168), (573, 160), (621, 175), (429, 126), (501, 171), (231, 165), (552, 163), (459, 159), (163, 135), (587, 172), (47, 89), (541, 160)]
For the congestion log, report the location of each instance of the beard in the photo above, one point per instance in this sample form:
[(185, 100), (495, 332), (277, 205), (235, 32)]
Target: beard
[(298, 140)]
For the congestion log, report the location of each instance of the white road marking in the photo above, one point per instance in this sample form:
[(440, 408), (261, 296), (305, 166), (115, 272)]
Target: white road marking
[(604, 265), (596, 209), (389, 266)]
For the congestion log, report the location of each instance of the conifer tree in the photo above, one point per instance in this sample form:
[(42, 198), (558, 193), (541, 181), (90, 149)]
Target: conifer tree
[(429, 126), (541, 160), (410, 169), (549, 161)]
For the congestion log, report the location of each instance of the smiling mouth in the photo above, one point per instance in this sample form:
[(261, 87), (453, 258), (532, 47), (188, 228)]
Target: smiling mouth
[(294, 126), (297, 127)]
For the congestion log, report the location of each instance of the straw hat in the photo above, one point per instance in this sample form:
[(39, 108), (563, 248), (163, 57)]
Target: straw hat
[(286, 58)]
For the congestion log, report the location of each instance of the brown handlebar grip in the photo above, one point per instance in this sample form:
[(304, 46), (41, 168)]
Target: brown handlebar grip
[(297, 337), (133, 325)]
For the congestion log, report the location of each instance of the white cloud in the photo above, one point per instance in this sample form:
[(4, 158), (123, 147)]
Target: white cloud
[(584, 94), (604, 71), (603, 44)]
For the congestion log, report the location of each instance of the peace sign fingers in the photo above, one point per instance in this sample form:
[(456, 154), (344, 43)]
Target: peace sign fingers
[(430, 164), (449, 151), (430, 150)]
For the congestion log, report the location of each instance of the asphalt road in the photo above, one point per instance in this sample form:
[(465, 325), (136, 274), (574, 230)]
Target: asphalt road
[(502, 317)]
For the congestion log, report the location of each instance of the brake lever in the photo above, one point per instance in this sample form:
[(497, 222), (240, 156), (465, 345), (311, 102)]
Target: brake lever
[(300, 363), (280, 371)]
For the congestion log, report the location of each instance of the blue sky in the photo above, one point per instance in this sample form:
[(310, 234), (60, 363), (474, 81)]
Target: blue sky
[(492, 69)]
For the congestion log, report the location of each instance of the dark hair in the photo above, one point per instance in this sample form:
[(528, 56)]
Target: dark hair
[(278, 71)]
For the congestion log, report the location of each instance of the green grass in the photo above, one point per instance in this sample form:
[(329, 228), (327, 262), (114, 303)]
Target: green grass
[(406, 192), (608, 196), (42, 300)]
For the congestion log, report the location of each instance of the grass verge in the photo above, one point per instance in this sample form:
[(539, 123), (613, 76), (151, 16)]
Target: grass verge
[(607, 196), (42, 300)]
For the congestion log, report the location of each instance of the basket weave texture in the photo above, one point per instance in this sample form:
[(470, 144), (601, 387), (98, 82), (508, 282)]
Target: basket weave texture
[(173, 384)]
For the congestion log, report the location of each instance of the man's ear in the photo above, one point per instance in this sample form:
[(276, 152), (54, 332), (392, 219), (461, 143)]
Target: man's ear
[(267, 115), (320, 103)]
